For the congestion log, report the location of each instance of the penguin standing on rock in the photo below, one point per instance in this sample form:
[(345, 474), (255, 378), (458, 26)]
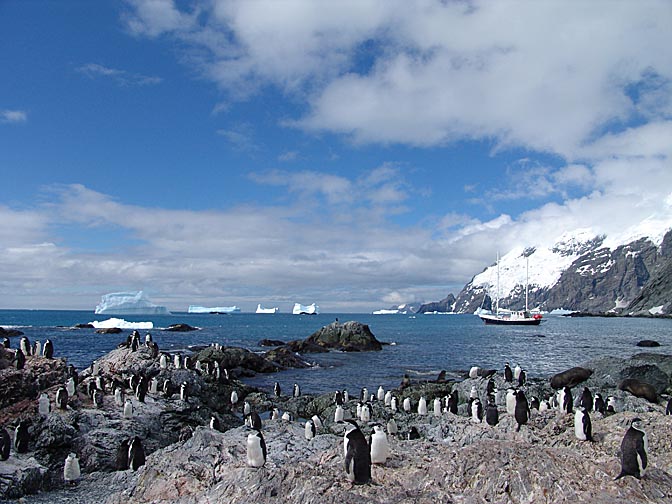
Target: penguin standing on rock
[(136, 454), (71, 471), (634, 451), (380, 448), (357, 454), (586, 399), (256, 449), (492, 414), (310, 430), (668, 408), (21, 437), (297, 390), (508, 374), (48, 350), (598, 404), (62, 398), (522, 411), (583, 429), (254, 421), (276, 389), (20, 358), (5, 444)]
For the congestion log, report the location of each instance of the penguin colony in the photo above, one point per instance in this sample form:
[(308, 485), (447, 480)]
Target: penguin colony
[(358, 453)]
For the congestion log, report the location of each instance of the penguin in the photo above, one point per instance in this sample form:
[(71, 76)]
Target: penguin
[(122, 455), (437, 407), (611, 404), (405, 382), (153, 349), (346, 396), (522, 410), (256, 449), (276, 389), (565, 401), (95, 368), (234, 398), (297, 390), (5, 444), (62, 398), (508, 374), (452, 402), (394, 404), (318, 421), (511, 401), (476, 410), (392, 428), (366, 413), (21, 437), (48, 350), (422, 406), (199, 367), (163, 361), (20, 359), (37, 348), (491, 387), (6, 342), (357, 454), (544, 405), (187, 362), (364, 394), (246, 408), (522, 378), (176, 361), (70, 386), (634, 451), (275, 414), (473, 372), (71, 471), (184, 392), (214, 423), (388, 398), (119, 398), (379, 447), (91, 388), (154, 385), (599, 406), (491, 414), (338, 398), (254, 421), (339, 413), (668, 408), (128, 409), (24, 345), (136, 454), (148, 339), (100, 383), (534, 403), (583, 429), (135, 343), (358, 412), (309, 430), (380, 395), (516, 372), (286, 416), (586, 400), (473, 393), (407, 404), (413, 433), (98, 399)]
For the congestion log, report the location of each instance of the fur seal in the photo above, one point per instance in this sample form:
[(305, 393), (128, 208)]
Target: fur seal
[(570, 378), (639, 389)]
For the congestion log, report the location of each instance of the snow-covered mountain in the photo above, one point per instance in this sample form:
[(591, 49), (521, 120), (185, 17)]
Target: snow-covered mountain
[(582, 271)]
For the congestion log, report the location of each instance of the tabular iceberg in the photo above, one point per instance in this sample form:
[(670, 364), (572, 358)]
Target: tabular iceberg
[(214, 309), (299, 309), (129, 303), (260, 309), (121, 324)]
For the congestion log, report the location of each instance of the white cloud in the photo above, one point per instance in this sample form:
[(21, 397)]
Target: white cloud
[(13, 116), (120, 77)]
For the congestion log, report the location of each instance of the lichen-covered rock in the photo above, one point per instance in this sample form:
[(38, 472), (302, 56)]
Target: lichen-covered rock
[(20, 475)]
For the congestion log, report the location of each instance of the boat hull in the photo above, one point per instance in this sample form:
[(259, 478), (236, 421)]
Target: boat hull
[(492, 320)]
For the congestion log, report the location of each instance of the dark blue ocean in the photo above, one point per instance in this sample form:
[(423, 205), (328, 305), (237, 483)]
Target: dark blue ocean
[(421, 345)]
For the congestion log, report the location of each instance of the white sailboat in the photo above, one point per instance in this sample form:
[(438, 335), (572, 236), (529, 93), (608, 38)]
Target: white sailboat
[(511, 317)]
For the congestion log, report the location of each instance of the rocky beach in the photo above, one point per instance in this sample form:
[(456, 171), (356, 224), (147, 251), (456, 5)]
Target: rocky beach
[(453, 459)]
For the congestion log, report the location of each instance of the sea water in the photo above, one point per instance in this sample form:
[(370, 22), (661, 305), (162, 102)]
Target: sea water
[(418, 345)]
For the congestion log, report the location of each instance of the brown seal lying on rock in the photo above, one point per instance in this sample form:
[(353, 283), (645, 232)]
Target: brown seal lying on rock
[(639, 389)]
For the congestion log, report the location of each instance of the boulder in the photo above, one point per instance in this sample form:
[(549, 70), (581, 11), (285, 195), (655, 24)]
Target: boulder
[(271, 342), (235, 357), (20, 476), (108, 330), (285, 358), (9, 333), (305, 346), (348, 337), (648, 343)]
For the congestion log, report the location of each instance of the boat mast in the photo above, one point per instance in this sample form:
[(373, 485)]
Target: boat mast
[(497, 300), (527, 274)]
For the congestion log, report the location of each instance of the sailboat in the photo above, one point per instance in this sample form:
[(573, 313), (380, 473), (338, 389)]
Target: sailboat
[(511, 317)]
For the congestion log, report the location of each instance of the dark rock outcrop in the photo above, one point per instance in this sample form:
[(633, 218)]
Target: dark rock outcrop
[(180, 328), (348, 337), (270, 342), (284, 357), (443, 306), (648, 343), (233, 358), (9, 333), (109, 330)]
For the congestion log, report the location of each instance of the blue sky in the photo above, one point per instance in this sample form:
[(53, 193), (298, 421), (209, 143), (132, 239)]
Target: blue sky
[(354, 154)]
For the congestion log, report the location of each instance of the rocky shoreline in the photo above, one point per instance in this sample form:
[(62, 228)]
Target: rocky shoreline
[(454, 459)]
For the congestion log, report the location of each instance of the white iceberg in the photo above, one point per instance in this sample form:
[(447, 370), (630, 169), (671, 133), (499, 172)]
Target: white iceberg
[(214, 309), (260, 309), (129, 303), (121, 324), (300, 309), (385, 312)]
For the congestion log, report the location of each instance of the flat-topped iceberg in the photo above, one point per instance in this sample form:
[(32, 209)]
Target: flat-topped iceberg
[(300, 309), (129, 303), (261, 309), (121, 324), (214, 309)]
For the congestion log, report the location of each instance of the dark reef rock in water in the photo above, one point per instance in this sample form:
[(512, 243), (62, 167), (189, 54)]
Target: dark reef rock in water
[(109, 330), (9, 333), (270, 342), (348, 337), (648, 343), (570, 378), (180, 328), (284, 357)]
